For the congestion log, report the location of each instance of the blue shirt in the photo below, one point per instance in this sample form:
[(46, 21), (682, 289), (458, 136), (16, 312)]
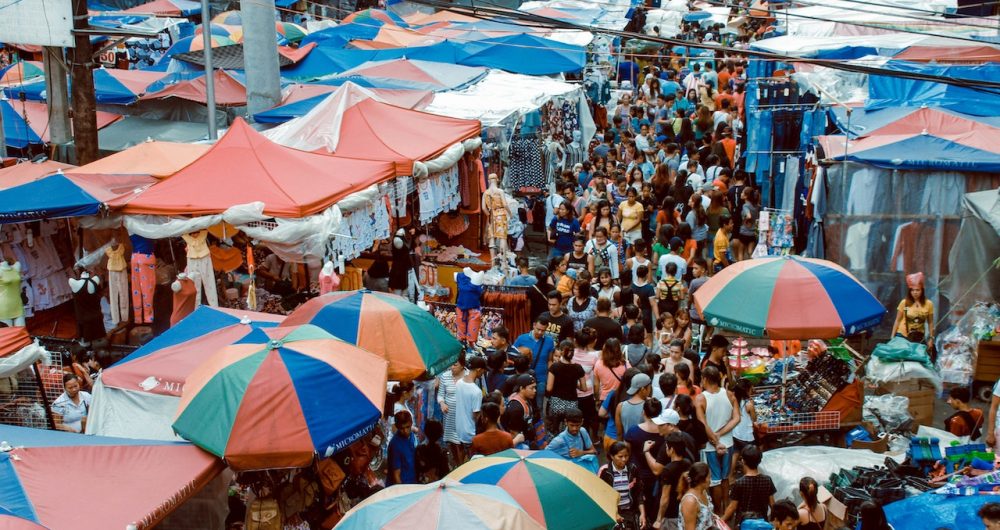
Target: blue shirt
[(540, 352), (403, 456), (584, 179), (141, 245), (611, 431), (522, 280), (468, 294), (565, 441), (566, 231), (669, 87)]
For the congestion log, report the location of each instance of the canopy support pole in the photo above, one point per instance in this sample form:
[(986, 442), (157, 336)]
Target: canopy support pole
[(206, 34)]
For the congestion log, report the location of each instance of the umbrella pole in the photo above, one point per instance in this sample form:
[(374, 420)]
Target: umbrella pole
[(784, 374)]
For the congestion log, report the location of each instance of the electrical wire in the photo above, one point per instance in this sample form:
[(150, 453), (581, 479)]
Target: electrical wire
[(991, 87), (941, 21)]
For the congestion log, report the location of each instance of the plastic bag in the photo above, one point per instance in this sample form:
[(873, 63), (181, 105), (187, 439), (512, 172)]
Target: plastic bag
[(899, 349), (886, 413), (957, 346), (878, 372)]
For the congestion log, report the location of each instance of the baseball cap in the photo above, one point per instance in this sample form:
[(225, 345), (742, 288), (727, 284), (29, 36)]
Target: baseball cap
[(523, 380), (667, 416), (675, 242), (639, 382)]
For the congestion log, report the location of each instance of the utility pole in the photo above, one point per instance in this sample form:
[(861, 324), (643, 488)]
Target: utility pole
[(84, 104), (3, 138), (206, 34), (57, 97), (260, 55)]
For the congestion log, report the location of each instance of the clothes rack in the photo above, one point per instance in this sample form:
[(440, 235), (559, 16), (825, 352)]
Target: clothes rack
[(515, 305)]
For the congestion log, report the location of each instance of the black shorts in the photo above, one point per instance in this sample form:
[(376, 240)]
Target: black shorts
[(748, 241)]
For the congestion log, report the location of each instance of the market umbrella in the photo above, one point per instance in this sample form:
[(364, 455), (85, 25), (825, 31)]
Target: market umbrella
[(381, 15), (229, 18), (233, 33), (197, 43), (279, 396), (11, 521), (444, 504), (788, 298), (410, 338), (556, 492), (291, 32)]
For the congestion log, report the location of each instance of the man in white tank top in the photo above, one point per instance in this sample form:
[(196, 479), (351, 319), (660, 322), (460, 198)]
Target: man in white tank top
[(716, 407)]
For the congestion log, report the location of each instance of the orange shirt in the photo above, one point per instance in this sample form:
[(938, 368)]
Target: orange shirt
[(724, 76), (690, 247)]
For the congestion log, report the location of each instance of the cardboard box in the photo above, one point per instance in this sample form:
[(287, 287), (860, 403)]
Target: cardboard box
[(836, 512)]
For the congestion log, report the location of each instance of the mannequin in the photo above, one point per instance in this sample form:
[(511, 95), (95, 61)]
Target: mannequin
[(143, 265), (87, 306), (117, 281), (199, 265), (576, 153), (497, 217), (185, 294), (328, 279), (11, 306), (399, 273), (468, 307)]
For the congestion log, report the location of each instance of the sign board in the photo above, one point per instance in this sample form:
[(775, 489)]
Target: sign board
[(38, 22)]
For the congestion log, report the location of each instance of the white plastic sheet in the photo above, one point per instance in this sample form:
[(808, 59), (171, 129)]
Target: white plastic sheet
[(23, 358), (788, 465), (878, 372), (500, 96)]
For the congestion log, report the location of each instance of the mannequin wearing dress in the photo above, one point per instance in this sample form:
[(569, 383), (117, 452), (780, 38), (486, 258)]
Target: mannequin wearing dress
[(497, 216), (11, 306), (87, 306), (185, 294), (328, 279)]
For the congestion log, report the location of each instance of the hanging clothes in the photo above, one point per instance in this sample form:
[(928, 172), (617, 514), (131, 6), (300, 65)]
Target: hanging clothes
[(524, 169), (516, 309), (184, 300), (87, 307)]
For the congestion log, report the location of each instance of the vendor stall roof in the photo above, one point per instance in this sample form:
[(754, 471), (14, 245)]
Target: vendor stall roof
[(58, 196), (498, 96), (26, 122), (132, 130), (68, 481), (29, 172), (159, 159), (244, 167), (303, 98), (112, 86), (351, 121), (229, 90), (167, 8), (441, 76)]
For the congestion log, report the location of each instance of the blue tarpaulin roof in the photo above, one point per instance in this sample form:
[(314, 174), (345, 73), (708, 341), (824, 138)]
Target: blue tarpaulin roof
[(885, 91), (927, 152), (17, 133), (338, 36), (324, 61), (525, 54), (54, 196), (107, 89)]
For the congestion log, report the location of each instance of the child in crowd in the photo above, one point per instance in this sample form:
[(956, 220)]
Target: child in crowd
[(623, 476), (431, 457), (402, 451)]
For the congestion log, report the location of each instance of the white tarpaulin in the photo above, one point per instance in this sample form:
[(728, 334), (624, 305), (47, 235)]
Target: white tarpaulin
[(320, 127), (23, 359), (132, 414), (788, 465), (498, 97)]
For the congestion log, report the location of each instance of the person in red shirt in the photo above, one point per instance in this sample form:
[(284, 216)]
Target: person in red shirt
[(966, 421), (492, 439)]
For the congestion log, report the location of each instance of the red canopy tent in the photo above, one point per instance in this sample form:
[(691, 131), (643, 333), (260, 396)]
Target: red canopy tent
[(228, 90), (373, 130), (950, 55), (245, 167), (26, 172)]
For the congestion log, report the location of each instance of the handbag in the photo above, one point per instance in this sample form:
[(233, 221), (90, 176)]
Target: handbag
[(264, 514)]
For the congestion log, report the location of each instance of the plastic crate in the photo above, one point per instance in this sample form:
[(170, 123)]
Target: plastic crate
[(805, 421)]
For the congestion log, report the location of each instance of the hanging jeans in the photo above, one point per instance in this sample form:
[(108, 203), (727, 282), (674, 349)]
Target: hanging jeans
[(204, 279), (468, 321), (118, 295), (143, 283)]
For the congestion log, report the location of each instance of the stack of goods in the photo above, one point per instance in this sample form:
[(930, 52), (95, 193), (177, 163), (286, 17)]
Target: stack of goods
[(747, 362), (854, 486), (957, 347)]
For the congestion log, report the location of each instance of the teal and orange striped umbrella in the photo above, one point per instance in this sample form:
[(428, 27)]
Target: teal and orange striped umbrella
[(556, 492), (280, 396), (410, 338), (788, 298)]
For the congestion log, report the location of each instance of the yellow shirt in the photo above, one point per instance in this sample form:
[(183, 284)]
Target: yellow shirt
[(197, 246), (721, 245), (631, 215), (116, 258), (915, 316)]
